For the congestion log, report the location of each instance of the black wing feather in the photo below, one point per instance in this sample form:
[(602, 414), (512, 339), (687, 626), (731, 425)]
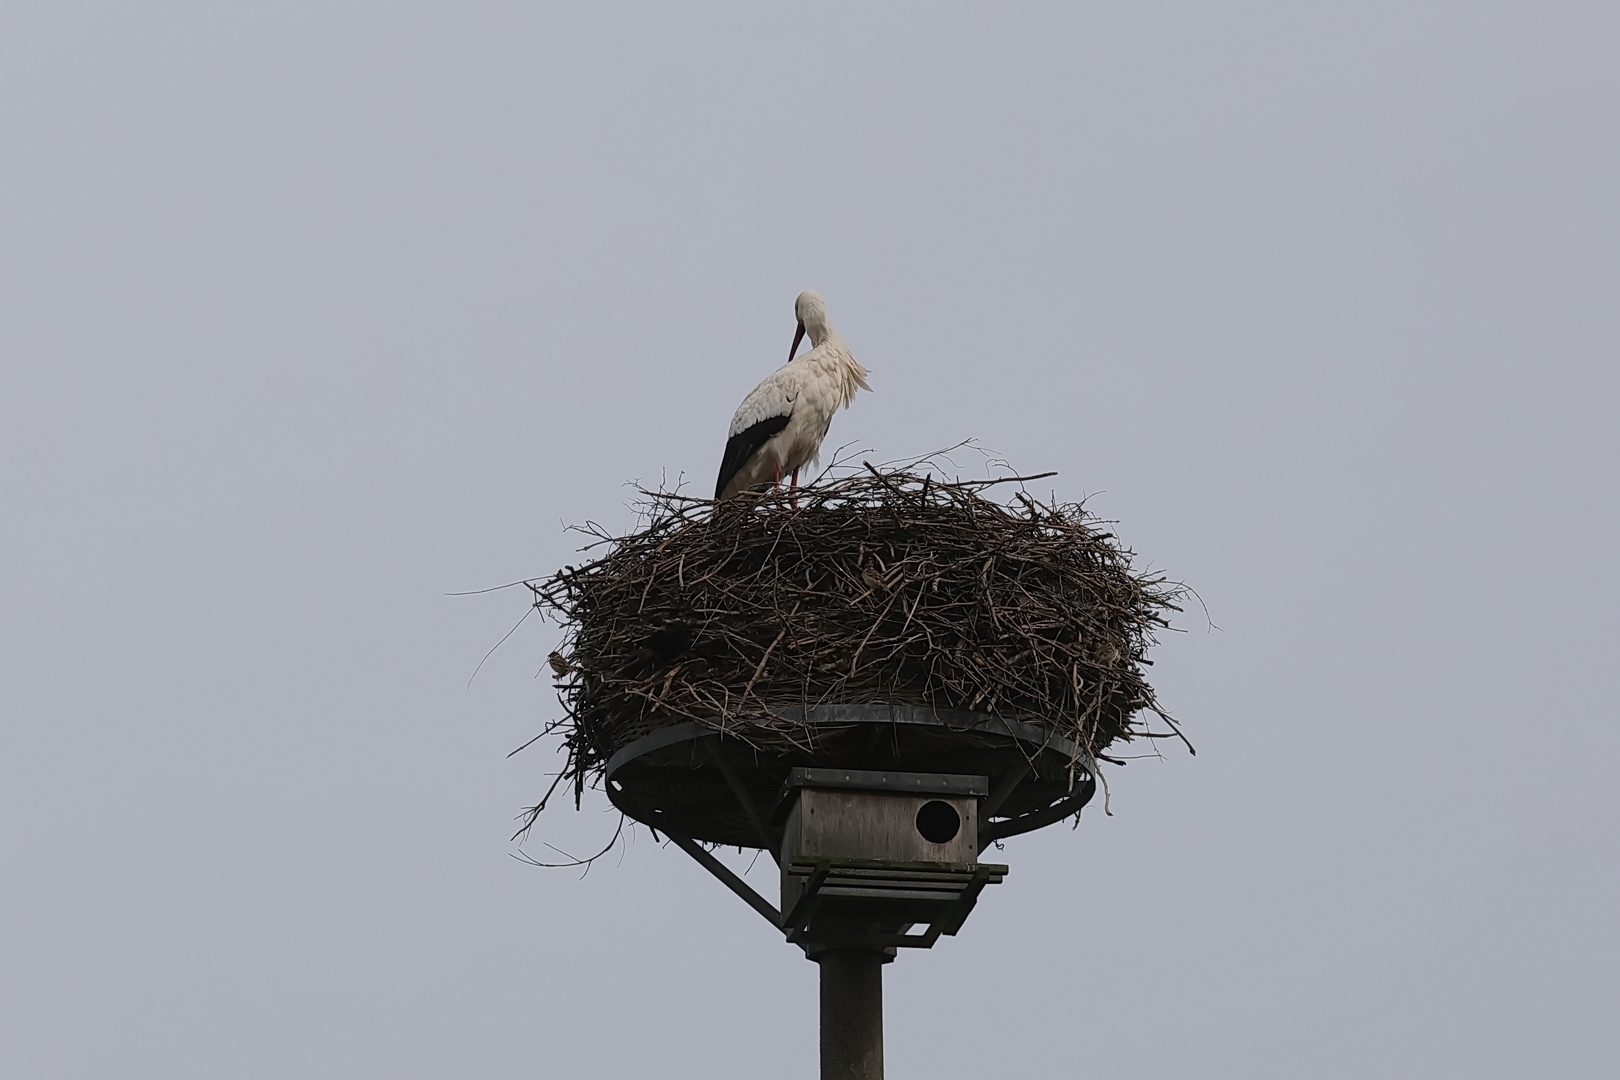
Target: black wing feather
[(743, 445)]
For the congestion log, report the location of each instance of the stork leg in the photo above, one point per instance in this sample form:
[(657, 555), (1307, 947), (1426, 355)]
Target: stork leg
[(776, 484), (794, 497)]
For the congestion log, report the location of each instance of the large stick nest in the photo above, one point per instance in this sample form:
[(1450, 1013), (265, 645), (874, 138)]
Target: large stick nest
[(869, 586)]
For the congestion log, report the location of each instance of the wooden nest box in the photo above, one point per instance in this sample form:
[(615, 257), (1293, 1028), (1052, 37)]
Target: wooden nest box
[(880, 859)]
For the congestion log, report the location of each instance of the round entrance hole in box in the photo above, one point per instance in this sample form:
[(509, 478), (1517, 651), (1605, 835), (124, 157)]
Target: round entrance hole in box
[(938, 822)]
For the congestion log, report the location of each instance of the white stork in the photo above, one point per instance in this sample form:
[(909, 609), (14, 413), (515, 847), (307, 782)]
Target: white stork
[(778, 428)]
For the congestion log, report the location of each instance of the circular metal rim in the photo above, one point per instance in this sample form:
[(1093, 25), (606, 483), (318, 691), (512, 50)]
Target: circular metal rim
[(952, 719)]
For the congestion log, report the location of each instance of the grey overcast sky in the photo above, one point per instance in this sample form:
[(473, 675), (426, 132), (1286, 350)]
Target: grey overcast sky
[(312, 314)]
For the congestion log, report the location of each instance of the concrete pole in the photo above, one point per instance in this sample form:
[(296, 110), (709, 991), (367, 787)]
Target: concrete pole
[(851, 1014)]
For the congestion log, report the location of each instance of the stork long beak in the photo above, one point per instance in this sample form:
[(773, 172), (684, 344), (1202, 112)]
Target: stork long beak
[(798, 336)]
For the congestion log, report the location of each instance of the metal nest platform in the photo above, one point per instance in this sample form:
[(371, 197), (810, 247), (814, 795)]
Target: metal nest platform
[(877, 831), (718, 789)]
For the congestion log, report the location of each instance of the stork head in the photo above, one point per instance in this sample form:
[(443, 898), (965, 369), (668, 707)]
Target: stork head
[(812, 312)]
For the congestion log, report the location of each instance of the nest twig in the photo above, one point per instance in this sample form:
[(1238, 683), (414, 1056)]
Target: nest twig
[(873, 585)]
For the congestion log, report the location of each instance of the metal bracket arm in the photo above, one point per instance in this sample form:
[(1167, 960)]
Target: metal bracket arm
[(724, 873), (1004, 788), (766, 840)]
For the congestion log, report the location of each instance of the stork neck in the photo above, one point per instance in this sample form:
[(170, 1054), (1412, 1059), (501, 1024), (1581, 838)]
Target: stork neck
[(820, 332)]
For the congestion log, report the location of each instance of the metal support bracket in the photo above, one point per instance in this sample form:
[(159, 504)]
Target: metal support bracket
[(720, 870), (1003, 791), (768, 839)]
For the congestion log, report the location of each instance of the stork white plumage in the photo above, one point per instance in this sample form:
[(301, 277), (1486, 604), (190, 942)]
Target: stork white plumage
[(778, 428)]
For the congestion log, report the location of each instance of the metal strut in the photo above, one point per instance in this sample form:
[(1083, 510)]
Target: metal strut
[(723, 872), (767, 839)]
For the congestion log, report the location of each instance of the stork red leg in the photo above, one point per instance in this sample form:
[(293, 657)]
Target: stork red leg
[(794, 498)]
